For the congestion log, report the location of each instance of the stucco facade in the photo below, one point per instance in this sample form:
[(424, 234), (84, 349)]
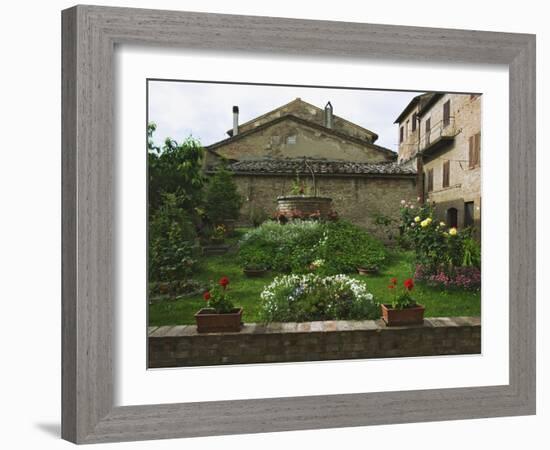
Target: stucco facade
[(451, 139)]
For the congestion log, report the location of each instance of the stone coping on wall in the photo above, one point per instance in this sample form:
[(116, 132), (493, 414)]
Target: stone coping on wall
[(182, 345)]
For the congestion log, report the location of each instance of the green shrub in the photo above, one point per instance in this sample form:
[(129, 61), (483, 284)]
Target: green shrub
[(299, 246), (222, 201), (299, 298), (171, 242), (281, 247), (345, 246)]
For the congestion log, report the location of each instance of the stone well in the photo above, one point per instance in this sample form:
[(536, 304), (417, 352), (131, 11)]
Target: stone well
[(305, 204)]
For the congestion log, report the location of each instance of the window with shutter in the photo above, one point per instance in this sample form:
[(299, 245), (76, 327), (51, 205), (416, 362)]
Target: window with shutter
[(414, 119), (446, 113), (468, 214), (428, 130), (430, 180), (471, 152), (474, 150), (477, 147), (400, 134), (446, 173)]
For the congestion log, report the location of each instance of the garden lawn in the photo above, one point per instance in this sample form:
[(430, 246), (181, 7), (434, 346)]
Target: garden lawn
[(245, 292)]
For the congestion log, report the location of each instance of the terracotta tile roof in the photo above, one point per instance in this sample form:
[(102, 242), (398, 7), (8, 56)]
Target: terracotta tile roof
[(319, 166)]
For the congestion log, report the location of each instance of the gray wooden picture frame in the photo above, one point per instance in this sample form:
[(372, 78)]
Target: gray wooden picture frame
[(90, 34)]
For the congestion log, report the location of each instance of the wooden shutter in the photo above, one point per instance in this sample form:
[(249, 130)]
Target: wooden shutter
[(428, 130), (474, 154), (446, 173), (446, 113), (477, 149), (430, 180), (414, 119), (400, 134), (471, 152)]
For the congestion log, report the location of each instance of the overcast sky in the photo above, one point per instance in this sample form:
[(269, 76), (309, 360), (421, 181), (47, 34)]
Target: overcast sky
[(204, 110)]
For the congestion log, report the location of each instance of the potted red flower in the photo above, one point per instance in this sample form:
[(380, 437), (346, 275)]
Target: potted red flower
[(403, 310), (220, 315)]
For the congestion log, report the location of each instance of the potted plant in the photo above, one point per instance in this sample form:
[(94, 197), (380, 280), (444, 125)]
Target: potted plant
[(367, 269), (253, 265), (214, 241), (220, 315), (403, 310), (218, 236), (254, 270)]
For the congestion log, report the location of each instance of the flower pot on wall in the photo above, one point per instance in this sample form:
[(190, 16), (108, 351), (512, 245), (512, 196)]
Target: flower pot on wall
[(412, 315), (208, 321)]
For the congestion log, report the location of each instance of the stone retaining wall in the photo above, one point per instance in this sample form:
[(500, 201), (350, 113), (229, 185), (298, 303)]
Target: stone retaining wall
[(179, 346)]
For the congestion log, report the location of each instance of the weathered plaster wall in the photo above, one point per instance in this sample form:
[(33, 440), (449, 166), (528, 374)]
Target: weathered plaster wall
[(312, 113), (289, 139)]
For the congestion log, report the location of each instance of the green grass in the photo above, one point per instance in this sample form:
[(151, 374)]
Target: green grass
[(246, 291)]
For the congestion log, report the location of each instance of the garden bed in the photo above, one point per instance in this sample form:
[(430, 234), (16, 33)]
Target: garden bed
[(246, 291)]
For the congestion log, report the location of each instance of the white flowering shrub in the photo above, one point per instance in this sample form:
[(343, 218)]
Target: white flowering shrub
[(299, 298)]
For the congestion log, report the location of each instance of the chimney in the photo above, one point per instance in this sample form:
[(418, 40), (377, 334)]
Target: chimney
[(235, 120), (328, 115)]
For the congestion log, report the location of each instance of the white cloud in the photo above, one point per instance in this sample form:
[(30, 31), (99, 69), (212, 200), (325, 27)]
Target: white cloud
[(204, 110)]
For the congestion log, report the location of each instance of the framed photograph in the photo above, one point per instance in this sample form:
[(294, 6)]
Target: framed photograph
[(253, 213)]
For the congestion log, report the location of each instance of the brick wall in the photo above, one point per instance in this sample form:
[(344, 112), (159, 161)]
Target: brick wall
[(179, 346)]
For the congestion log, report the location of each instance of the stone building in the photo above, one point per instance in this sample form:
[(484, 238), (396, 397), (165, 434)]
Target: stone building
[(338, 157), (440, 135)]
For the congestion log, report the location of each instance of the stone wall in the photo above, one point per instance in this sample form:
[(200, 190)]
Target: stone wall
[(359, 199), (180, 346), (465, 182)]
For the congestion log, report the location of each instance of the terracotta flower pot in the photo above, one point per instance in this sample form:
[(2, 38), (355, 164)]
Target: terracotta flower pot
[(254, 273), (209, 250), (413, 315), (208, 321), (367, 270)]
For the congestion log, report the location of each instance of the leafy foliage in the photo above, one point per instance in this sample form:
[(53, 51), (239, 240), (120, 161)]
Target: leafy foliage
[(300, 246), (176, 169), (345, 247), (171, 241)]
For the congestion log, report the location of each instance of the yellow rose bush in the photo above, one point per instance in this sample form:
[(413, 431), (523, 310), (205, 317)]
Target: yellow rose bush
[(437, 247)]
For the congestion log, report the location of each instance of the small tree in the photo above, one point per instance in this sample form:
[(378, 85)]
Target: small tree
[(177, 169), (222, 200)]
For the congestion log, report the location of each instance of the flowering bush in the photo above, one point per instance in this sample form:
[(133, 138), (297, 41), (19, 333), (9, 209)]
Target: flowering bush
[(436, 245), (218, 298), (298, 298), (459, 277)]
